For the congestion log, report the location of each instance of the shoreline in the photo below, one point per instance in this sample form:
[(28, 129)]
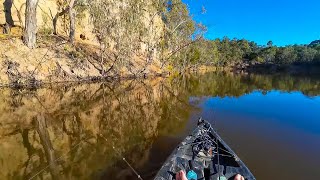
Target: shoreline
[(21, 67), (292, 69), (39, 84), (33, 68), (299, 70)]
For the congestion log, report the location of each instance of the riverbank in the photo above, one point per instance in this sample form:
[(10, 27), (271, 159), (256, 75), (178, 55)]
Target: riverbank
[(55, 60), (271, 68)]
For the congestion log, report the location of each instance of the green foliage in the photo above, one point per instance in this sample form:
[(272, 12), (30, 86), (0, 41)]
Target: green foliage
[(307, 54), (259, 59), (223, 52), (226, 52), (286, 55), (268, 54)]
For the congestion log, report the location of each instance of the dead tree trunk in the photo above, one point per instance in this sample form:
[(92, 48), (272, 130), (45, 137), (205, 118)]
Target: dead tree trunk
[(8, 15), (72, 21), (30, 31), (55, 19), (72, 16)]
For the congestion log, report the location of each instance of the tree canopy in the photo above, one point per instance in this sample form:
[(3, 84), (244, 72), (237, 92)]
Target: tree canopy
[(227, 52)]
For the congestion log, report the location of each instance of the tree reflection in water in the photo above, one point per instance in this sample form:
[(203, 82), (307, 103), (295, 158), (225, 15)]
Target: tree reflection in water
[(38, 126)]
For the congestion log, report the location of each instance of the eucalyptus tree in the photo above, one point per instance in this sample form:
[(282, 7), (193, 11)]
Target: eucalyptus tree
[(270, 44), (182, 34), (69, 7), (30, 31), (72, 17), (118, 28)]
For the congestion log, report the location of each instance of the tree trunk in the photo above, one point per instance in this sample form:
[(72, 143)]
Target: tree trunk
[(72, 16), (55, 19), (6, 29), (46, 143), (54, 23), (8, 16), (30, 31)]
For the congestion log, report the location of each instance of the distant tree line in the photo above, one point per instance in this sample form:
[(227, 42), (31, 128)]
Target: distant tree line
[(228, 52)]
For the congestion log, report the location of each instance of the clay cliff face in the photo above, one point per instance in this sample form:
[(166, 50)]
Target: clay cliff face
[(54, 60)]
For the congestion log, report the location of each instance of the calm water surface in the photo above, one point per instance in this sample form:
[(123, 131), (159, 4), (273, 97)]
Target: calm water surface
[(84, 131)]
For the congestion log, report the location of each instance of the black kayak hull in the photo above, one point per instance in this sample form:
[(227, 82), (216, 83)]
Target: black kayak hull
[(207, 166)]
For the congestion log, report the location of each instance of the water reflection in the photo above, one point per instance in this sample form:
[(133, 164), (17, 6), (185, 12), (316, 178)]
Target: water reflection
[(276, 134), (143, 120), (39, 126)]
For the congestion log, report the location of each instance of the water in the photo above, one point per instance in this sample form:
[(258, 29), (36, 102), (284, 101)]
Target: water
[(271, 122)]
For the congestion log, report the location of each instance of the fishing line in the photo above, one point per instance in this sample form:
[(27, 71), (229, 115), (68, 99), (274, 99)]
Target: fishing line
[(124, 159), (218, 158), (56, 160)]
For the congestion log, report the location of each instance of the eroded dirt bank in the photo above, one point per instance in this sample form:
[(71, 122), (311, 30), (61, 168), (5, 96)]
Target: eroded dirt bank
[(55, 60)]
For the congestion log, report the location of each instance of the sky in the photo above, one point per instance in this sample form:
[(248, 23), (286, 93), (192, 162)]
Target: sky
[(285, 22)]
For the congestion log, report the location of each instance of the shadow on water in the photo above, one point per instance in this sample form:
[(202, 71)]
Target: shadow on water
[(55, 132)]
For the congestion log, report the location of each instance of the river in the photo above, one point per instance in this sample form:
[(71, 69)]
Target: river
[(82, 131)]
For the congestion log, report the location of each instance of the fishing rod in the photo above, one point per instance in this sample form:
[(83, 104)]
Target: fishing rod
[(218, 158), (124, 159), (217, 146)]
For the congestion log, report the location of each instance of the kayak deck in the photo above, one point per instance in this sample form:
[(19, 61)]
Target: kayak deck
[(205, 153)]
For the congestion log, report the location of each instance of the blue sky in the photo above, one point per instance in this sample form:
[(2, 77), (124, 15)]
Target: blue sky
[(282, 21)]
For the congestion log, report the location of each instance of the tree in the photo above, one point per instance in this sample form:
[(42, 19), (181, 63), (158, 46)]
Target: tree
[(55, 19), (179, 31), (30, 31), (307, 54), (70, 9), (314, 43), (8, 15), (317, 58), (72, 16), (270, 44), (268, 54), (120, 26), (286, 55)]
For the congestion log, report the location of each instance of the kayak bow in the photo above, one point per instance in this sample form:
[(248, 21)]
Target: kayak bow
[(204, 155)]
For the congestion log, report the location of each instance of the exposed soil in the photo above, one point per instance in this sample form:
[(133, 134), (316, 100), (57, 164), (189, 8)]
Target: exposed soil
[(56, 60)]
